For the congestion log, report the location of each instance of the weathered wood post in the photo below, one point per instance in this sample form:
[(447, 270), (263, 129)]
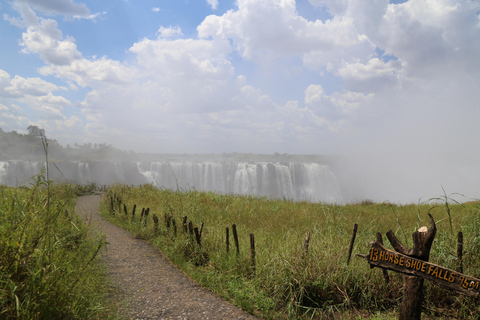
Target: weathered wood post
[(190, 228), (197, 236), (411, 306), (460, 251), (252, 252), (352, 241), (167, 220), (133, 211), (147, 211), (155, 222), (235, 237)]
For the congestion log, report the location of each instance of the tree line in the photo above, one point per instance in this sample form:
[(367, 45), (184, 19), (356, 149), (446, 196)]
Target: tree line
[(31, 147)]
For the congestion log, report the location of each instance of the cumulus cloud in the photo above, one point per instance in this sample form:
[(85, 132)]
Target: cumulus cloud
[(283, 33), (43, 37), (19, 87), (31, 86)]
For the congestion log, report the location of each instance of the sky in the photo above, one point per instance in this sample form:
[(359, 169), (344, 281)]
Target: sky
[(391, 81)]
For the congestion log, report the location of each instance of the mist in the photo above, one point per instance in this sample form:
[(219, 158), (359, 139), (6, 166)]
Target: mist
[(389, 90)]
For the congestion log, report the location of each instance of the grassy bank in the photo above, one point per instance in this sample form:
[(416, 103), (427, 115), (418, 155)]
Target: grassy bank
[(287, 281), (48, 266)]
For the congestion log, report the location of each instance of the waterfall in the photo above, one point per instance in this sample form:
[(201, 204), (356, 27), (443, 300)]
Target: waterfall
[(298, 181)]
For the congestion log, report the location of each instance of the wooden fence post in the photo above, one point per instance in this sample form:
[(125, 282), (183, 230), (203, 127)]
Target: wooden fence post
[(460, 251), (197, 236), (190, 228), (133, 211), (350, 248), (235, 237), (167, 220), (155, 222), (174, 223), (252, 251), (147, 211), (411, 306)]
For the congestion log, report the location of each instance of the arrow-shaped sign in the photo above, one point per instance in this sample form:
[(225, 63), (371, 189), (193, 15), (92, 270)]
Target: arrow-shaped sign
[(380, 256)]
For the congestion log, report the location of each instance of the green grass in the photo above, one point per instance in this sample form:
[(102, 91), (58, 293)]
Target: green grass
[(286, 282), (48, 256)]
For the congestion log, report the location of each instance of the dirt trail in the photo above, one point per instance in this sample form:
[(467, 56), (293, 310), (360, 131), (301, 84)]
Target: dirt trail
[(149, 284)]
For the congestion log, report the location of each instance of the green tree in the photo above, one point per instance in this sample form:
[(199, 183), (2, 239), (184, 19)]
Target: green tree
[(36, 131)]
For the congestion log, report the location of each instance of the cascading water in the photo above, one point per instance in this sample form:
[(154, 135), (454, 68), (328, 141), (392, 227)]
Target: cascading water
[(298, 181), (293, 181)]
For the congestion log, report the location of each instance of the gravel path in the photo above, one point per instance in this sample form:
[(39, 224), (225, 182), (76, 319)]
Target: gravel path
[(150, 286)]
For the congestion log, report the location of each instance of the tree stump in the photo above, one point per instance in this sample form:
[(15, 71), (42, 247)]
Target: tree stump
[(411, 306)]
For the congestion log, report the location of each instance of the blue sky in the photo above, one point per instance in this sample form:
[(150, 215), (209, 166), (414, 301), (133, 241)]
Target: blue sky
[(250, 76), (393, 82)]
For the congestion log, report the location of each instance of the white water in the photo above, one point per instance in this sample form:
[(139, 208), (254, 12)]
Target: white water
[(296, 181)]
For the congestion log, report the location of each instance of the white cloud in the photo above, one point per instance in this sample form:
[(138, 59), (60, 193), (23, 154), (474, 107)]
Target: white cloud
[(169, 32), (52, 112), (337, 107), (373, 76), (92, 16), (69, 122), (46, 40), (213, 4), (90, 72), (264, 31), (54, 100), (155, 9), (31, 86)]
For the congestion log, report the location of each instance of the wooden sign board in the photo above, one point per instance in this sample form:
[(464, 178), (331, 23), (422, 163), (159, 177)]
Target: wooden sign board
[(380, 256)]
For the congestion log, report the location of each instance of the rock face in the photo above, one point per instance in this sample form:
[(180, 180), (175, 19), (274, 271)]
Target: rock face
[(298, 181)]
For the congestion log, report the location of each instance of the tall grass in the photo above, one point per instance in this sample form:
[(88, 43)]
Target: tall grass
[(287, 281), (48, 265)]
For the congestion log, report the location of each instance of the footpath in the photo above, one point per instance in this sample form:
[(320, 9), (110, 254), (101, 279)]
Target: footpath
[(148, 286)]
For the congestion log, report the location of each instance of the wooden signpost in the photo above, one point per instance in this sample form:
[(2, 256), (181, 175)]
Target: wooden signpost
[(413, 263), (380, 256)]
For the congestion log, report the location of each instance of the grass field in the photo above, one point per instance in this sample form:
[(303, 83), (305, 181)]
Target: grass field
[(48, 256), (286, 280)]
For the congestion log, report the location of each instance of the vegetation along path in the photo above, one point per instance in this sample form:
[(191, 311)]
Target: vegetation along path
[(149, 286)]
